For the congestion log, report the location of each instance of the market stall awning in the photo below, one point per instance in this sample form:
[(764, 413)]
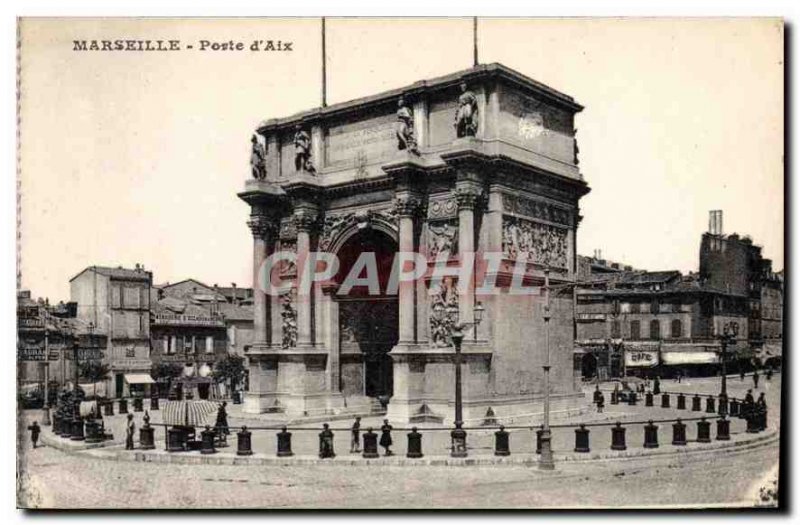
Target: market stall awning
[(772, 350), (188, 413), (138, 379)]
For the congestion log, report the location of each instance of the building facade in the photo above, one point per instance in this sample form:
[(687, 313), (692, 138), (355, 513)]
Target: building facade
[(483, 160)]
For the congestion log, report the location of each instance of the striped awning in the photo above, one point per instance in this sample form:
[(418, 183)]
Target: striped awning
[(188, 413), (139, 379)]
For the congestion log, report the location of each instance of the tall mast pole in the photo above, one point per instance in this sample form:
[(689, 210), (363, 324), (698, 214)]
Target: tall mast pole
[(474, 41), (324, 73)]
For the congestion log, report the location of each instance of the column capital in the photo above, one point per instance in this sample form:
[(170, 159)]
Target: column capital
[(408, 205), (468, 198), (263, 225), (305, 220)]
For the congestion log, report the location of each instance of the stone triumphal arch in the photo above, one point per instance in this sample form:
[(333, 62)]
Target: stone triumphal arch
[(480, 161)]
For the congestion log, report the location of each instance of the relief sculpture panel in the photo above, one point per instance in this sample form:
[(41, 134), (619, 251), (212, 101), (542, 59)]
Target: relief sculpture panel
[(534, 242)]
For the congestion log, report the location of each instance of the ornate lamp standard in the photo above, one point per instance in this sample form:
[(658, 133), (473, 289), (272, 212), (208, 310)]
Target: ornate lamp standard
[(546, 457), (728, 336), (458, 436)]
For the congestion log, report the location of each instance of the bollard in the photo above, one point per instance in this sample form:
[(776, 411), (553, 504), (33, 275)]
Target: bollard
[(723, 429), (632, 399), (648, 399), (763, 425), (679, 433), (618, 437), (284, 443), (458, 442), (582, 439), (326, 443), (370, 445), (244, 443), (108, 408), (138, 404), (539, 433), (153, 403), (414, 444), (93, 432), (55, 427), (710, 405), (696, 403), (77, 430), (733, 408), (123, 406), (501, 447), (681, 402), (147, 439), (664, 400), (703, 431), (752, 422), (174, 440), (650, 435), (614, 397), (207, 444)]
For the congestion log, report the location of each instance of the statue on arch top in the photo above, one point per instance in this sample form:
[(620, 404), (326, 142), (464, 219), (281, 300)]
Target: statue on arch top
[(302, 150), (405, 128), (258, 158), (466, 123)]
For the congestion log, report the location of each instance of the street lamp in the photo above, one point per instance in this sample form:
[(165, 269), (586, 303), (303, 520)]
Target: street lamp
[(728, 336), (459, 436), (546, 457)]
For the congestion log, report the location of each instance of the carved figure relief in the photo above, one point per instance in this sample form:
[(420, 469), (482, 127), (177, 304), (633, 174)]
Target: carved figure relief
[(302, 150), (288, 267), (258, 158), (288, 321), (442, 208), (534, 242), (334, 224), (442, 237), (442, 298), (405, 128), (466, 123), (535, 209)]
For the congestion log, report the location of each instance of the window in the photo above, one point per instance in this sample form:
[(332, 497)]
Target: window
[(655, 329), (636, 308), (676, 330), (676, 307), (615, 332), (232, 335), (165, 344), (654, 306), (173, 344), (116, 297), (636, 330), (209, 344)]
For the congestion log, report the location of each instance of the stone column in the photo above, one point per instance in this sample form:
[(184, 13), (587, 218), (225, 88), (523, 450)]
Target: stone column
[(263, 228), (467, 199), (407, 209), (304, 221)]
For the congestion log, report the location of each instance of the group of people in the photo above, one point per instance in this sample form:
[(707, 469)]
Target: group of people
[(385, 441), (756, 409)]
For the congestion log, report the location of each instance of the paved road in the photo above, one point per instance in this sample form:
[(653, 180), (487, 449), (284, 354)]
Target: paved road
[(55, 479)]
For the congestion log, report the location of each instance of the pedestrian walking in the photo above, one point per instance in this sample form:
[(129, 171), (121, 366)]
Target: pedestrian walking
[(221, 425), (596, 393), (656, 386), (769, 374), (386, 437), (761, 410), (748, 405), (35, 431), (601, 402), (355, 436), (755, 379), (326, 442), (130, 429), (741, 374)]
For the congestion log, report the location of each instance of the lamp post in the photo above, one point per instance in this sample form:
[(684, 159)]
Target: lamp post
[(546, 456), (458, 435), (728, 336)]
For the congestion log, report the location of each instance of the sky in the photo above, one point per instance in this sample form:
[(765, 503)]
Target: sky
[(133, 157)]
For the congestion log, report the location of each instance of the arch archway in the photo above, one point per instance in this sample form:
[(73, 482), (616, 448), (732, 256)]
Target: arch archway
[(368, 321)]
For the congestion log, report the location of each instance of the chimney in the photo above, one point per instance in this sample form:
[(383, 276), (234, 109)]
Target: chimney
[(235, 295), (215, 307), (715, 222)]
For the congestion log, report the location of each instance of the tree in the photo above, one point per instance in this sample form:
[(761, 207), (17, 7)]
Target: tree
[(231, 368), (165, 372), (94, 371)]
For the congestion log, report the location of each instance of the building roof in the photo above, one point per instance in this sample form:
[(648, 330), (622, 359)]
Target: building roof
[(234, 312), (119, 273)]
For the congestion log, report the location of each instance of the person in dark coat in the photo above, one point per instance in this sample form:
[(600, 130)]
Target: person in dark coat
[(748, 405), (35, 431), (326, 442), (656, 386), (130, 430), (601, 402), (769, 374), (222, 420), (755, 379), (741, 374), (386, 437), (355, 436), (596, 393), (761, 410)]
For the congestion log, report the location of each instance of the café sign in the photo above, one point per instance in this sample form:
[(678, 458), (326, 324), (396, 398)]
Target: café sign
[(641, 358)]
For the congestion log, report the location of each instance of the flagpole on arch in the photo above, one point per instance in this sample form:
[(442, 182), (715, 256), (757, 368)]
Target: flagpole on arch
[(324, 73), (474, 41)]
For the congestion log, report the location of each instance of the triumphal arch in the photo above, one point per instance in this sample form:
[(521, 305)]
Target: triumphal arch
[(479, 164)]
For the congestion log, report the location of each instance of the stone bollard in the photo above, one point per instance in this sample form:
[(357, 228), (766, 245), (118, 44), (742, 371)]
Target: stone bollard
[(696, 403), (722, 406), (138, 404), (648, 399), (733, 408), (582, 439), (414, 444), (108, 408), (723, 429), (539, 433), (56, 426), (370, 445), (458, 442), (207, 443), (174, 440), (77, 430), (326, 450), (763, 419), (710, 405), (501, 447), (244, 442), (153, 403), (618, 437), (752, 422), (681, 402), (664, 400), (679, 433), (284, 443), (703, 431), (650, 435), (632, 399), (147, 439), (123, 406), (93, 432)]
